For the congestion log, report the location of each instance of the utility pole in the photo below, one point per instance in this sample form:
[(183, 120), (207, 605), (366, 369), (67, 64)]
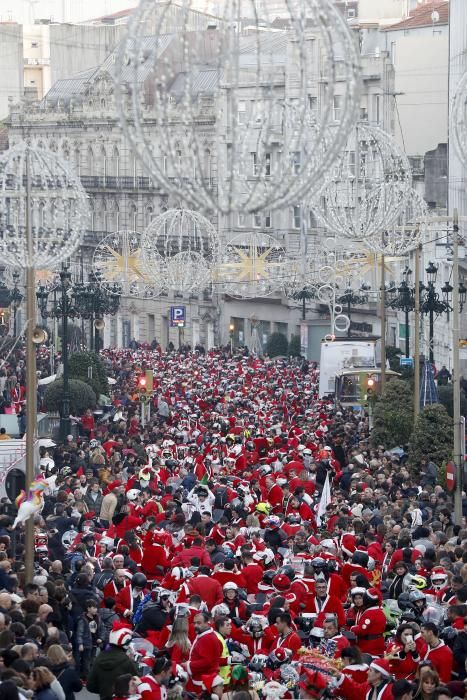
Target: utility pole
[(459, 449), (31, 376), (416, 369), (383, 327)]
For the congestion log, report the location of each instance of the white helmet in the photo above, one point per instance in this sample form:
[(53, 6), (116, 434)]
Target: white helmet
[(133, 494)]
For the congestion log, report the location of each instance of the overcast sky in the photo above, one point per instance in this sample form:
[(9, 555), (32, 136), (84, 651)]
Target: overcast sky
[(60, 10)]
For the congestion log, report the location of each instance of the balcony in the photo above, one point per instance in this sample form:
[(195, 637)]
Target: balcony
[(112, 182)]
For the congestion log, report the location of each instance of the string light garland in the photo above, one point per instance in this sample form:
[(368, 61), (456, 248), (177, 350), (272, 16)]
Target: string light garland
[(406, 232), (58, 210), (251, 115)]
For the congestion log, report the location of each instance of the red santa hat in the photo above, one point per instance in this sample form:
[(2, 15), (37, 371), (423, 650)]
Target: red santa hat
[(281, 582), (348, 543), (120, 635), (381, 666), (211, 680), (313, 682)]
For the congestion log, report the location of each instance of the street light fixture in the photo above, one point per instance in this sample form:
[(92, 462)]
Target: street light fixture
[(404, 301), (431, 305), (93, 302), (15, 299)]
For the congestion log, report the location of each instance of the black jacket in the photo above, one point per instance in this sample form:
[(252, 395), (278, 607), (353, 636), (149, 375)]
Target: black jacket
[(68, 677), (105, 669), (460, 653)]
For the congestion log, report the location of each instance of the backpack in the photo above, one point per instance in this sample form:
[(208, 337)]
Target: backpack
[(220, 498)]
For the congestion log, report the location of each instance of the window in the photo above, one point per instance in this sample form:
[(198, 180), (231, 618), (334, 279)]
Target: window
[(351, 161), (313, 103), (393, 53), (254, 163), (241, 220), (267, 169), (351, 13), (337, 107), (297, 217), (241, 113), (257, 220), (34, 45), (296, 162), (267, 219)]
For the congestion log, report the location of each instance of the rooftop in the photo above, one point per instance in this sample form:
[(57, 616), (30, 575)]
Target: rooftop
[(421, 16)]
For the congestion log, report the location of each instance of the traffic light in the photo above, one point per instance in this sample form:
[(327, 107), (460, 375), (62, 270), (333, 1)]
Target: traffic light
[(142, 383), (370, 386), (146, 382)]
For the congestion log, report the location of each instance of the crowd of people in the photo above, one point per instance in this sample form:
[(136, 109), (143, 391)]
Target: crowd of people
[(247, 541)]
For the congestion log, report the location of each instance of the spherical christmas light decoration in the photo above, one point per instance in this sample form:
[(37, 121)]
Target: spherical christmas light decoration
[(406, 232), (58, 208), (187, 246), (368, 188), (253, 265), (248, 118), (459, 119), (187, 273), (118, 262)]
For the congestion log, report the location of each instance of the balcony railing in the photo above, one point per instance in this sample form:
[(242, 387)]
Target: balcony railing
[(113, 182)]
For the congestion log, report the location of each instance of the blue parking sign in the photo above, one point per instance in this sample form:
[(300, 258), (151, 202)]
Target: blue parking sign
[(177, 316)]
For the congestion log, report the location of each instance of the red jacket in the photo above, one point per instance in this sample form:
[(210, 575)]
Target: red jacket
[(207, 588), (350, 690), (442, 659), (370, 631), (331, 604), (185, 556), (291, 641), (253, 574), (149, 689), (126, 601), (205, 656)]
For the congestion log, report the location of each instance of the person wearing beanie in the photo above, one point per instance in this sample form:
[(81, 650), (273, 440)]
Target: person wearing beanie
[(111, 662), (377, 687)]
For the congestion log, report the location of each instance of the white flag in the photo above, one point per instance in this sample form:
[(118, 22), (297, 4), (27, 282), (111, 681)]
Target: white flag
[(325, 499)]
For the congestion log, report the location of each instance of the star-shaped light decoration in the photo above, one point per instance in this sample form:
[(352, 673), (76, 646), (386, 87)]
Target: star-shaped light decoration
[(254, 265), (117, 259)]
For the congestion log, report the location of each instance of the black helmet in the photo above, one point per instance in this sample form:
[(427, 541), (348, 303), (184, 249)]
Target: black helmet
[(416, 597), (319, 564), (268, 576), (403, 601), (288, 571), (360, 558), (139, 580)]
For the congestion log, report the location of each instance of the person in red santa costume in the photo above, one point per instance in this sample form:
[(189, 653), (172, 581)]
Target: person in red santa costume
[(333, 643), (406, 651), (153, 685), (205, 655), (129, 597), (323, 604), (286, 638), (377, 687), (371, 625)]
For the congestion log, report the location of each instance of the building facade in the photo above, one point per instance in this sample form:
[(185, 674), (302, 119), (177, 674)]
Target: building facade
[(78, 119)]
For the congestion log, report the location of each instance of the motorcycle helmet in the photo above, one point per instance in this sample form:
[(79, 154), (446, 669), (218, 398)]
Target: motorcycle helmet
[(418, 583), (139, 580), (288, 570), (417, 600), (403, 601), (439, 578), (360, 558), (319, 564), (132, 494), (277, 657), (268, 576)]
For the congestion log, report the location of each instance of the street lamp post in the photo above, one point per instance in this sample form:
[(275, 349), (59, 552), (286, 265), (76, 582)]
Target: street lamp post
[(404, 301), (93, 302), (65, 308), (431, 305)]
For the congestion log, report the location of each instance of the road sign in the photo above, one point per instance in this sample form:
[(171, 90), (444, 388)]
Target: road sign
[(406, 361), (177, 316), (450, 476)]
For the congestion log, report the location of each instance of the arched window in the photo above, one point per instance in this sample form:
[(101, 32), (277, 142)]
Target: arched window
[(91, 163), (148, 215), (133, 218), (103, 161)]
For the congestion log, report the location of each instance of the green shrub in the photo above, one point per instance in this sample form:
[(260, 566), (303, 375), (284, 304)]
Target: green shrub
[(446, 399), (81, 396), (277, 345), (79, 364), (393, 415), (432, 437)]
